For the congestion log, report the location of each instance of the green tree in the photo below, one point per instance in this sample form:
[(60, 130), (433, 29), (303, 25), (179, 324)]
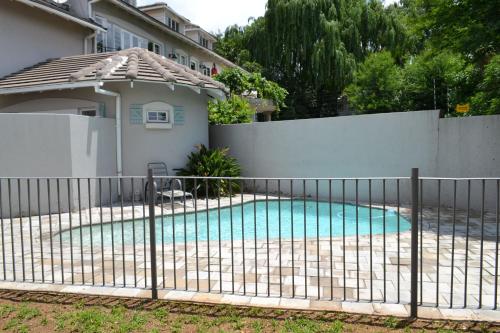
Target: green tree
[(436, 80), (234, 110), (377, 85), (239, 82), (487, 99), (311, 47)]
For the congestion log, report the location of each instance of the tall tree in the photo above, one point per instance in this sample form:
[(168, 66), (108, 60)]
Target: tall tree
[(311, 47)]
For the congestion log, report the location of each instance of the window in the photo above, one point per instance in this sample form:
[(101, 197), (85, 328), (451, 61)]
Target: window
[(204, 42), (157, 117), (206, 70), (154, 47), (116, 39), (193, 65), (173, 24), (88, 112)]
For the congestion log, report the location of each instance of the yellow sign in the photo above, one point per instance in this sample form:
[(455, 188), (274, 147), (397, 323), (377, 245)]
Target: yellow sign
[(462, 108)]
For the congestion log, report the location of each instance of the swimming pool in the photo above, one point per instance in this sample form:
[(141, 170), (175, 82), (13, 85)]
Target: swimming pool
[(255, 215)]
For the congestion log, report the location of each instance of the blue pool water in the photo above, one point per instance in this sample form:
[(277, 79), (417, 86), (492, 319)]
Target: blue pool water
[(188, 226)]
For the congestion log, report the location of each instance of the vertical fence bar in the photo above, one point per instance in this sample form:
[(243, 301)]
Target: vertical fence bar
[(172, 204), (91, 232), (120, 193), (81, 227), (243, 239), (112, 230), (133, 230), (384, 264), (371, 236), (50, 232), (398, 241), (481, 250), (144, 232), (421, 241), (219, 234), (162, 236), (305, 237), (21, 226), (68, 185), (495, 291), (255, 234), (152, 234), (414, 243), (291, 227), (3, 235), (330, 222), (231, 227), (357, 239), (9, 196), (437, 242), (186, 267), (343, 239), (39, 226), (267, 240), (195, 186), (467, 225), (208, 234), (28, 181), (317, 237), (453, 241), (279, 238), (60, 228), (103, 271)]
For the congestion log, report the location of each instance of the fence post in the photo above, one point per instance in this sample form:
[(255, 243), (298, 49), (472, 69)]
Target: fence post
[(414, 243), (152, 233)]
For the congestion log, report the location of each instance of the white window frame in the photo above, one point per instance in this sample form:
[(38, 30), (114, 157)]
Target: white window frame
[(158, 108), (196, 63)]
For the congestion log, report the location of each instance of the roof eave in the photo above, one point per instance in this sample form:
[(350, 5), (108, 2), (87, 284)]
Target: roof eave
[(49, 87), (61, 14), (93, 84)]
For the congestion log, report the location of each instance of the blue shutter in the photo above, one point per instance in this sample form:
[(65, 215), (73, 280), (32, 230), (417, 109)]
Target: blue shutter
[(179, 115), (135, 114)]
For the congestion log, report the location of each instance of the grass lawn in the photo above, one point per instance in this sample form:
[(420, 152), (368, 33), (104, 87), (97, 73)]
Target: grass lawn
[(43, 317)]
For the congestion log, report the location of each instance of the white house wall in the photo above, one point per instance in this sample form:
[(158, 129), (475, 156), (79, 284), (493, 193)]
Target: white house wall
[(29, 35)]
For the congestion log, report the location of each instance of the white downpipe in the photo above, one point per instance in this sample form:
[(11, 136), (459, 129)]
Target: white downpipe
[(118, 126), (85, 43)]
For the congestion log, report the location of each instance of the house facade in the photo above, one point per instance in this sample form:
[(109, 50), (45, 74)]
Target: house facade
[(112, 90)]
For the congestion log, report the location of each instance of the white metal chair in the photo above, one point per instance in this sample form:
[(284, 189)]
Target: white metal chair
[(169, 188)]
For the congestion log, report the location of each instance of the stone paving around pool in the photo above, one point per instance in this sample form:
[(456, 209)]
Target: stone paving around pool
[(235, 272)]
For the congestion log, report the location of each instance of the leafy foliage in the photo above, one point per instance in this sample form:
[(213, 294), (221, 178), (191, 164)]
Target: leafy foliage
[(239, 81), (444, 52), (212, 163), (377, 85), (487, 100), (234, 110)]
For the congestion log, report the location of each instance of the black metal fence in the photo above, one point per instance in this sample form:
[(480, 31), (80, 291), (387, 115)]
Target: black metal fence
[(419, 241)]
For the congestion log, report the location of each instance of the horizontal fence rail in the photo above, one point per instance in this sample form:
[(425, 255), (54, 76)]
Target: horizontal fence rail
[(343, 239)]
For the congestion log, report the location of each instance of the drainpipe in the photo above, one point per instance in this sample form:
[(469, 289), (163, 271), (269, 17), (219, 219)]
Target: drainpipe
[(118, 126)]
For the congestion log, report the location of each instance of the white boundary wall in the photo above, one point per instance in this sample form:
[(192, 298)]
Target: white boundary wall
[(379, 145), (53, 145)]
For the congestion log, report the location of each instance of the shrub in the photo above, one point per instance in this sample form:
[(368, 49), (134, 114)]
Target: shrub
[(234, 110), (212, 163)]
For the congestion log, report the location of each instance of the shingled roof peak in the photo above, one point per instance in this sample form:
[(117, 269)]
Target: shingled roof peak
[(129, 64)]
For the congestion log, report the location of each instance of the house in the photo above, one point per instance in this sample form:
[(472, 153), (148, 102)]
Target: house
[(100, 88)]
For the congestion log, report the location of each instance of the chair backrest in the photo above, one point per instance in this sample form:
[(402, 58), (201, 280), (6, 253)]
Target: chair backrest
[(159, 168)]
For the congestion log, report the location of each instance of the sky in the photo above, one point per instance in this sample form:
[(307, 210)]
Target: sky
[(235, 11)]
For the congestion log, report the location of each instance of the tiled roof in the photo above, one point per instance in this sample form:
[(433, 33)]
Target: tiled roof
[(133, 64)]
